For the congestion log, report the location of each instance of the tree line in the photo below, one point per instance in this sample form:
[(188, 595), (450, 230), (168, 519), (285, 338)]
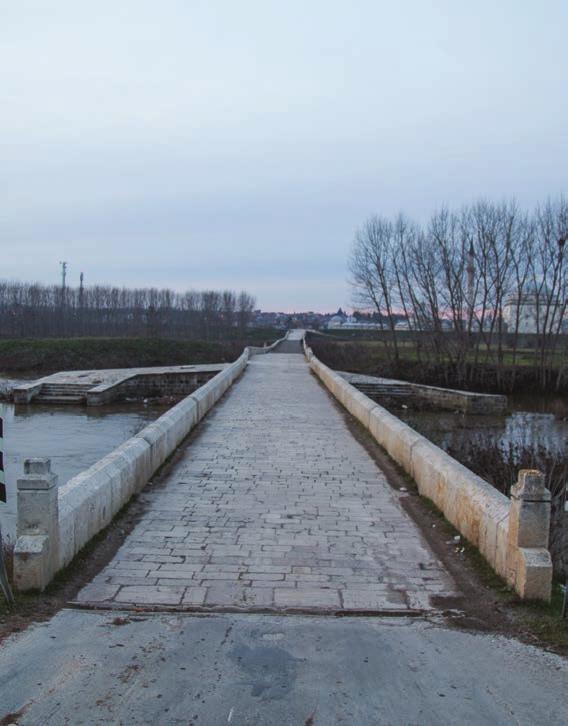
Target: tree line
[(467, 282), (35, 310)]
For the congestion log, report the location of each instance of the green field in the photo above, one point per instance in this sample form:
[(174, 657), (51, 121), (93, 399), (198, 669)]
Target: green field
[(380, 350), (56, 354)]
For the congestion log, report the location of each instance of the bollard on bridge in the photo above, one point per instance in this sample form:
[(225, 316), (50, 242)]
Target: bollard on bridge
[(529, 530), (35, 554)]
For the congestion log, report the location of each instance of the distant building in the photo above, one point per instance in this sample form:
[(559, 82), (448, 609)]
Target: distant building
[(336, 321), (350, 322), (320, 321), (533, 311)]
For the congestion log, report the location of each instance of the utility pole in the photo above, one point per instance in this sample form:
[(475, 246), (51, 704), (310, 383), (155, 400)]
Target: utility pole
[(63, 295), (81, 302), (63, 275)]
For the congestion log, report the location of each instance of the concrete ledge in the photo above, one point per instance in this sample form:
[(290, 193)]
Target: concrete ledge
[(140, 384), (26, 391), (97, 387), (429, 397), (450, 399), (483, 515)]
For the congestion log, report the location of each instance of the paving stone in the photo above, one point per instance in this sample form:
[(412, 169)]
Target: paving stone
[(163, 559), (306, 598), (98, 592), (177, 581), (228, 593), (194, 596), (127, 580), (177, 573), (150, 595), (373, 600)]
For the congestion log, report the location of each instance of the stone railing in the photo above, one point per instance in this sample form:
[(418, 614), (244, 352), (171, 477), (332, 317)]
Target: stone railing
[(55, 523), (257, 350), (512, 534)]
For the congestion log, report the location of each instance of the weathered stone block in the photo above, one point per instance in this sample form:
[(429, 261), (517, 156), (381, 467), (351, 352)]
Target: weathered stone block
[(533, 573), (155, 435), (33, 567), (530, 511), (37, 546)]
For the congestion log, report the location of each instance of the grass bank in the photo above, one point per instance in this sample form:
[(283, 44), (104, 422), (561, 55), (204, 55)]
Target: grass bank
[(370, 357), (48, 355)]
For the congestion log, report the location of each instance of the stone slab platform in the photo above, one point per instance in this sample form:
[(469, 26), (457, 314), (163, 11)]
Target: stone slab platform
[(105, 383), (274, 506), (434, 397), (110, 376)]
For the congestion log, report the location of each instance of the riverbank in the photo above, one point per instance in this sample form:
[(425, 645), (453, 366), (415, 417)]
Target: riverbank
[(370, 357), (49, 355)]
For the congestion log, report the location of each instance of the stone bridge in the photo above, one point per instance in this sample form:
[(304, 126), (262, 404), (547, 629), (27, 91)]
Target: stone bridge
[(274, 504)]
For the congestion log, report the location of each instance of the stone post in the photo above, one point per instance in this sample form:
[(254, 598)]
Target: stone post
[(529, 527), (37, 544)]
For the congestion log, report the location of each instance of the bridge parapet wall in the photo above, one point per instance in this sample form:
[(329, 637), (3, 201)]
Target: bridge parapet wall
[(258, 350), (512, 534)]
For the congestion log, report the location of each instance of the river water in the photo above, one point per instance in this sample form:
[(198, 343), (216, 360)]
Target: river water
[(73, 437), (529, 423)]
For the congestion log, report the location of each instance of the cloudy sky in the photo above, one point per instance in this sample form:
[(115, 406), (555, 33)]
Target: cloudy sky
[(217, 143)]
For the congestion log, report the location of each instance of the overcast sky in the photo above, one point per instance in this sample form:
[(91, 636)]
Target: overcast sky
[(239, 143)]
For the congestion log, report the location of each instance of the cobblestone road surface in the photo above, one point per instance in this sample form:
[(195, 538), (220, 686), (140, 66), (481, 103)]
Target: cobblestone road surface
[(274, 505)]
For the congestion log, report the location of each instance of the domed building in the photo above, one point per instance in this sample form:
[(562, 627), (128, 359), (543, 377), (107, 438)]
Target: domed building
[(336, 321)]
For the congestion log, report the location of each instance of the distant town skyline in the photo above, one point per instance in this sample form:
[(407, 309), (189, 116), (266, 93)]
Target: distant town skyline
[(222, 145)]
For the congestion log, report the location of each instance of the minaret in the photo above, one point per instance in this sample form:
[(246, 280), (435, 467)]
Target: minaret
[(470, 278)]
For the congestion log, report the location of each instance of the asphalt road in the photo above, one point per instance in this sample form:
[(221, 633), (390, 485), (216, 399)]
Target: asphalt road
[(113, 668)]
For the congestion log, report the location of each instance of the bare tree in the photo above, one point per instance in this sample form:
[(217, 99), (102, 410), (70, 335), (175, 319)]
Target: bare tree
[(35, 310), (462, 282)]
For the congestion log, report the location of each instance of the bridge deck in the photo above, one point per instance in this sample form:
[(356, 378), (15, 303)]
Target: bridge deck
[(274, 505)]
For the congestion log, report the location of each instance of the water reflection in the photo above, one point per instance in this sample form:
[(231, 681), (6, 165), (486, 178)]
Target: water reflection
[(521, 427)]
